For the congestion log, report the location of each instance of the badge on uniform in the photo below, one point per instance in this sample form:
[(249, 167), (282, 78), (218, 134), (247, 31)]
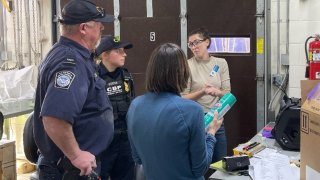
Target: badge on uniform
[(126, 86), (214, 70), (63, 79)]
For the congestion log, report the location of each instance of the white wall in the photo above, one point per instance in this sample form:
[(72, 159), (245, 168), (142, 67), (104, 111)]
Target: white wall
[(278, 46), (304, 21)]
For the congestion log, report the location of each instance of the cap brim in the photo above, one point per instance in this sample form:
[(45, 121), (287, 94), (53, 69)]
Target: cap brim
[(106, 19), (101, 49), (126, 45)]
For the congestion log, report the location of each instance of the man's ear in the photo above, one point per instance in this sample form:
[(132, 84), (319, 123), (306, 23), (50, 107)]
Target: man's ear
[(82, 28)]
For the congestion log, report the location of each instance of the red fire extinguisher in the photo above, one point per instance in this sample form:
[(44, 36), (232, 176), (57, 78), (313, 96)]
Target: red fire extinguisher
[(313, 58)]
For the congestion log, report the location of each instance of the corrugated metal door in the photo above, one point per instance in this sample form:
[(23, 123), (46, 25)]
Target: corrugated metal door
[(147, 32)]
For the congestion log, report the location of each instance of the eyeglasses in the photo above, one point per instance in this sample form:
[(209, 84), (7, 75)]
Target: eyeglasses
[(195, 43), (101, 11), (120, 51)]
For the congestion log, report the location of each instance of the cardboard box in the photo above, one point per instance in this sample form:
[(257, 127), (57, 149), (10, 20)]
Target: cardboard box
[(306, 87), (310, 135), (7, 160)]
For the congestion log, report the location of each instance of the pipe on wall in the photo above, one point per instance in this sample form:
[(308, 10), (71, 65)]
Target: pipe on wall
[(56, 11), (278, 37), (287, 21)]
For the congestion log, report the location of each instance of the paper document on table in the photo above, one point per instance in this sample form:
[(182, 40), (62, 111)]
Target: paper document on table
[(265, 153), (311, 173), (217, 165), (272, 165)]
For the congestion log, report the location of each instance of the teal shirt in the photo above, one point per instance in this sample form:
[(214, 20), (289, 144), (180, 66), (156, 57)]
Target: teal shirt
[(168, 138)]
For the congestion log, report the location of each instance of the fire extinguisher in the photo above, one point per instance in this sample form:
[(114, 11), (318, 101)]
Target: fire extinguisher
[(313, 57)]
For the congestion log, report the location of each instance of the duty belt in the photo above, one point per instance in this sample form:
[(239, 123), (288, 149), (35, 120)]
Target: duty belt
[(120, 132)]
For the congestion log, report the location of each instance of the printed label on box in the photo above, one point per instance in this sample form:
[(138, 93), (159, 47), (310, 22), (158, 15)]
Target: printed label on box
[(305, 122)]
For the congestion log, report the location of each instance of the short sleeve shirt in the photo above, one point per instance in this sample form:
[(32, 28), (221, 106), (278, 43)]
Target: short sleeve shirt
[(214, 72), (70, 89)]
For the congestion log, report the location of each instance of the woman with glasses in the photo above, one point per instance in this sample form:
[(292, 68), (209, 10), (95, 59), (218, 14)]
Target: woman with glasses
[(208, 82), (116, 161)]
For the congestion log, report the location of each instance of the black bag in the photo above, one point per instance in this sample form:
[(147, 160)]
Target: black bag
[(236, 163), (287, 127)]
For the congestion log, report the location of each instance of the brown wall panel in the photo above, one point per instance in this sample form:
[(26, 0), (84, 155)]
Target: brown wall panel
[(130, 8), (206, 8), (136, 28), (139, 82), (137, 31), (166, 8)]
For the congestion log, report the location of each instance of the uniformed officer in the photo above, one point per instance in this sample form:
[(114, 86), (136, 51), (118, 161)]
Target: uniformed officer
[(73, 120), (116, 161)]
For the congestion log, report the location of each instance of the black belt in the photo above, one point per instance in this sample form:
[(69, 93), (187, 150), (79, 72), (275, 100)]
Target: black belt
[(119, 132)]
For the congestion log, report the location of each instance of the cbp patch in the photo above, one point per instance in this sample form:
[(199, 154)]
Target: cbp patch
[(63, 79), (114, 88)]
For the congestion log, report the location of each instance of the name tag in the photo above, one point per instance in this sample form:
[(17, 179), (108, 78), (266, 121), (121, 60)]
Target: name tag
[(214, 70)]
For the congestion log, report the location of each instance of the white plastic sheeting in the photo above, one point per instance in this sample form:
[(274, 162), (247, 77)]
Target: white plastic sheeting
[(18, 84)]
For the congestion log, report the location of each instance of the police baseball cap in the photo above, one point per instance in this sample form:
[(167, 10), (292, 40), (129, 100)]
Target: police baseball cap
[(80, 11), (108, 43)]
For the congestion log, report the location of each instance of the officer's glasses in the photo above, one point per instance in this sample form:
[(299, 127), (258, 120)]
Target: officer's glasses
[(195, 43)]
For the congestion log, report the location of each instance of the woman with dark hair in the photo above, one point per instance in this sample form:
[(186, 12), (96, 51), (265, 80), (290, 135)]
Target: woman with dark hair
[(166, 132), (208, 82)]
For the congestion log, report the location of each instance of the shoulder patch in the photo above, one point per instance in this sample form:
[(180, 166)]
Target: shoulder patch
[(69, 61), (64, 79)]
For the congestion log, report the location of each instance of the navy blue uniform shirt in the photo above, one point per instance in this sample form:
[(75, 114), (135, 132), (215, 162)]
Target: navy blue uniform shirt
[(70, 89)]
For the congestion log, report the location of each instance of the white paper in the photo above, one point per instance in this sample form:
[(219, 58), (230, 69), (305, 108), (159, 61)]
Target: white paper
[(269, 164), (311, 174)]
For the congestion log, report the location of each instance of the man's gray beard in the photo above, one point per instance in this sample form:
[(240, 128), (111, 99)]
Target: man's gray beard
[(98, 42)]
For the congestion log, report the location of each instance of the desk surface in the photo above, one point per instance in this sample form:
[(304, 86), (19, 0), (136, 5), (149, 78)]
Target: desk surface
[(270, 143), (17, 107)]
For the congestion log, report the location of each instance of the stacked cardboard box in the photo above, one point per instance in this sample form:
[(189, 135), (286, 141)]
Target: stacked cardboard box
[(310, 130), (7, 160)]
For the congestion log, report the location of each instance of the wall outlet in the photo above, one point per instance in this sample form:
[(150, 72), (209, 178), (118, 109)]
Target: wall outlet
[(285, 59)]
